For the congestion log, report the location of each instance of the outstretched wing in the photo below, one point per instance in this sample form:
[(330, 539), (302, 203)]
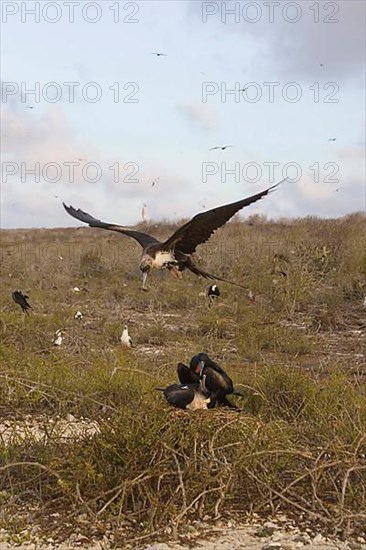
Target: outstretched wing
[(179, 395), (199, 229), (142, 238)]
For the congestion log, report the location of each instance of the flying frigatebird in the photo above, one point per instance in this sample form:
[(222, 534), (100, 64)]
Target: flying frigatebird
[(175, 253)]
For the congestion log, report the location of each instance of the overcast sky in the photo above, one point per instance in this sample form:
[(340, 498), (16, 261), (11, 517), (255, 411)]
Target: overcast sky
[(275, 80)]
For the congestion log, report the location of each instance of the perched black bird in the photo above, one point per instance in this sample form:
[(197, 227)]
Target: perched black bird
[(191, 396), (216, 379), (175, 253), (222, 147), (21, 299), (213, 293)]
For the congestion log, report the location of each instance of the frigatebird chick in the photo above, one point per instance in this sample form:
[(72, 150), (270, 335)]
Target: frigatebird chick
[(189, 396), (213, 293), (175, 253), (58, 337), (22, 300), (126, 339), (217, 380)]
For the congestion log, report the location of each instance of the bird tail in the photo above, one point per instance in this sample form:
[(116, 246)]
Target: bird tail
[(226, 403), (197, 271)]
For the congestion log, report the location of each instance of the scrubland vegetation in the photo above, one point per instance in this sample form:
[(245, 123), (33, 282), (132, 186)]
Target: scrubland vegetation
[(298, 445)]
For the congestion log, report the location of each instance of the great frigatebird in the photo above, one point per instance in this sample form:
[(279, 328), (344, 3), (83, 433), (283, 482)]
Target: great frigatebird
[(175, 253)]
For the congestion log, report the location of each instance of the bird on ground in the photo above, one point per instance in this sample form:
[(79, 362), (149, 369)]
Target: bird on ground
[(251, 296), (22, 300), (126, 339), (158, 54), (78, 315), (144, 213), (364, 303), (213, 293), (58, 337), (192, 396), (217, 380), (222, 147), (175, 253)]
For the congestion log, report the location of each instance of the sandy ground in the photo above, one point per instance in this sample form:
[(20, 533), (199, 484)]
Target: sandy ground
[(274, 535)]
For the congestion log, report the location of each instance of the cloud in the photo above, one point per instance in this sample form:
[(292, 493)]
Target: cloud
[(30, 200), (327, 33), (199, 114)]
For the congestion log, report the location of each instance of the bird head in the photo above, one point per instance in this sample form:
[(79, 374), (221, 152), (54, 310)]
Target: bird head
[(198, 363), (146, 263)]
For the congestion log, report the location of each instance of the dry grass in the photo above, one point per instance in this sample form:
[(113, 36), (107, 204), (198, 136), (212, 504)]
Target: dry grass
[(298, 355)]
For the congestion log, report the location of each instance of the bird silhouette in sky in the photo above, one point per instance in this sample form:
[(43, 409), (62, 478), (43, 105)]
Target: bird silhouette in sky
[(222, 147)]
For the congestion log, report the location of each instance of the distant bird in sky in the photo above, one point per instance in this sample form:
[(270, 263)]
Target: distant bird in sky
[(58, 337), (244, 89), (213, 293), (192, 396), (222, 147), (30, 107), (22, 300), (337, 190), (155, 181), (158, 54), (332, 139), (80, 159), (175, 253), (126, 339), (144, 213), (321, 64)]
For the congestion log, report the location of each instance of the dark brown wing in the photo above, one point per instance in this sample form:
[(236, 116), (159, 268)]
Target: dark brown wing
[(142, 238), (199, 229), (185, 375)]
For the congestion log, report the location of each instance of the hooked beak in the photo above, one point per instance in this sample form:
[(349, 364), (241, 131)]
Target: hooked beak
[(144, 279), (201, 366)]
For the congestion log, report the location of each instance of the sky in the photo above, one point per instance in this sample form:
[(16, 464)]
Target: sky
[(92, 117)]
